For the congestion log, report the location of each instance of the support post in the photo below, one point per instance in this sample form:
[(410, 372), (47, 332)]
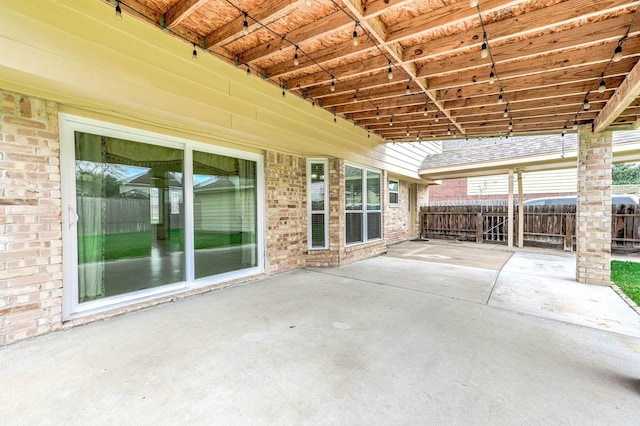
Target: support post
[(593, 207), (479, 227), (510, 212), (520, 211)]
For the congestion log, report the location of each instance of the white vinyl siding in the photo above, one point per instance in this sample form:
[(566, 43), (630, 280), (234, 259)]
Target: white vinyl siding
[(546, 182)]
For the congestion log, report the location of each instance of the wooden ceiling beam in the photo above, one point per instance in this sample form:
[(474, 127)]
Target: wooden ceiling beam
[(322, 26), (450, 15), (589, 73), (179, 11), (264, 12), (626, 93), (533, 21), (548, 92), (348, 71), (378, 30), (570, 43)]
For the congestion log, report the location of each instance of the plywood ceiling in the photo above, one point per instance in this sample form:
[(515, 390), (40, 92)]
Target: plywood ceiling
[(547, 57)]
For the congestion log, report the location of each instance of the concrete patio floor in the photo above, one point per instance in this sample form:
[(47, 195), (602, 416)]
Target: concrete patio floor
[(407, 338)]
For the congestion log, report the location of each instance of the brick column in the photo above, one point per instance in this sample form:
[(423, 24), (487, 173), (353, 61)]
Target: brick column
[(593, 213)]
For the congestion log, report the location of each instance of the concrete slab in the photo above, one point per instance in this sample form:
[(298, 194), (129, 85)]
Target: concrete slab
[(310, 347), (461, 282), (486, 256), (545, 285)]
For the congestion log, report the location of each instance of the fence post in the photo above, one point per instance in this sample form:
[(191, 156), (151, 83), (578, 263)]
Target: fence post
[(568, 232), (479, 228)]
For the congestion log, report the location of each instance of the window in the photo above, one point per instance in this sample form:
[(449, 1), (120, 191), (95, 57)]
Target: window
[(149, 215), (394, 192), (363, 214), (317, 204)]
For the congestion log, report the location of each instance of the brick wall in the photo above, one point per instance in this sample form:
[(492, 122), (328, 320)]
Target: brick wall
[(286, 212), (396, 217), (593, 211), (30, 218)]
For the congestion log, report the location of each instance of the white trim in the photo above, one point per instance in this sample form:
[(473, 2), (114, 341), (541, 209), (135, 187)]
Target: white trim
[(325, 211), (364, 210), (389, 192), (68, 124)]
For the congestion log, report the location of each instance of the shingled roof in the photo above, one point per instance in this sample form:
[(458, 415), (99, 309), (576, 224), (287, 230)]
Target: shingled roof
[(474, 151)]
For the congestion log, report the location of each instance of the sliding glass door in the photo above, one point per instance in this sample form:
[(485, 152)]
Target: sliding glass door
[(147, 215)]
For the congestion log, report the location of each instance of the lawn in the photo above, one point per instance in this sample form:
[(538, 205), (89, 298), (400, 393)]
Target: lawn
[(626, 275), (138, 244)]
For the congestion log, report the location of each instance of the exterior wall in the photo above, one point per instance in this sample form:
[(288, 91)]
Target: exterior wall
[(30, 218), (593, 211), (286, 230), (396, 217), (459, 191)]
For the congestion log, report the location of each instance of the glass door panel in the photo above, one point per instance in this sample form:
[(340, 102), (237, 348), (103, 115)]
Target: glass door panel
[(225, 215), (130, 205)]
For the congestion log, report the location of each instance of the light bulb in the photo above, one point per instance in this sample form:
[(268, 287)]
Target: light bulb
[(355, 38), (500, 99), (355, 97), (245, 26), (506, 113), (492, 78), (602, 87), (425, 111), (437, 118), (390, 74), (194, 54), (391, 121), (377, 114), (308, 3), (575, 125), (408, 91), (407, 132), (485, 50), (118, 11), (473, 3), (586, 105), (296, 61), (617, 54), (248, 71)]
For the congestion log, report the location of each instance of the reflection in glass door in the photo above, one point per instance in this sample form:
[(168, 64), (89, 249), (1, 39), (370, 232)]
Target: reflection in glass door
[(130, 206), (224, 213)]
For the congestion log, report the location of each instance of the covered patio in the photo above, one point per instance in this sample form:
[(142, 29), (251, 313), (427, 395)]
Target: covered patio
[(431, 332)]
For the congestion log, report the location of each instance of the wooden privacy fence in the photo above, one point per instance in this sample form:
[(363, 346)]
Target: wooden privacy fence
[(543, 226)]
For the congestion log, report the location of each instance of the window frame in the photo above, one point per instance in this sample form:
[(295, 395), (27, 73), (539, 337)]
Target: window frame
[(364, 210), (397, 202), (69, 124), (325, 210)]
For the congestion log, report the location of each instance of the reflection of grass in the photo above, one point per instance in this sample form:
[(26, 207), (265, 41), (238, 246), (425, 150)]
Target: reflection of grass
[(138, 244), (626, 275)]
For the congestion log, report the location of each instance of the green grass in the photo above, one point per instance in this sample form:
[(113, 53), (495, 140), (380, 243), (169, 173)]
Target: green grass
[(138, 244), (626, 275)]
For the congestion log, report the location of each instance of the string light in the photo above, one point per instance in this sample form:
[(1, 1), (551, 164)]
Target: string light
[(245, 25), (473, 3), (355, 96), (500, 98), (118, 11), (391, 121), (492, 76), (437, 117), (506, 112), (408, 131), (355, 34), (296, 59), (602, 87), (333, 84), (485, 47), (617, 54), (377, 113), (408, 90), (194, 54), (449, 130), (248, 71), (575, 125), (426, 108), (390, 72), (586, 105), (510, 124)]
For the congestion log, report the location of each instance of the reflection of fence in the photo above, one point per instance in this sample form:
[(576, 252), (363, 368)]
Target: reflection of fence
[(122, 215), (544, 226)]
